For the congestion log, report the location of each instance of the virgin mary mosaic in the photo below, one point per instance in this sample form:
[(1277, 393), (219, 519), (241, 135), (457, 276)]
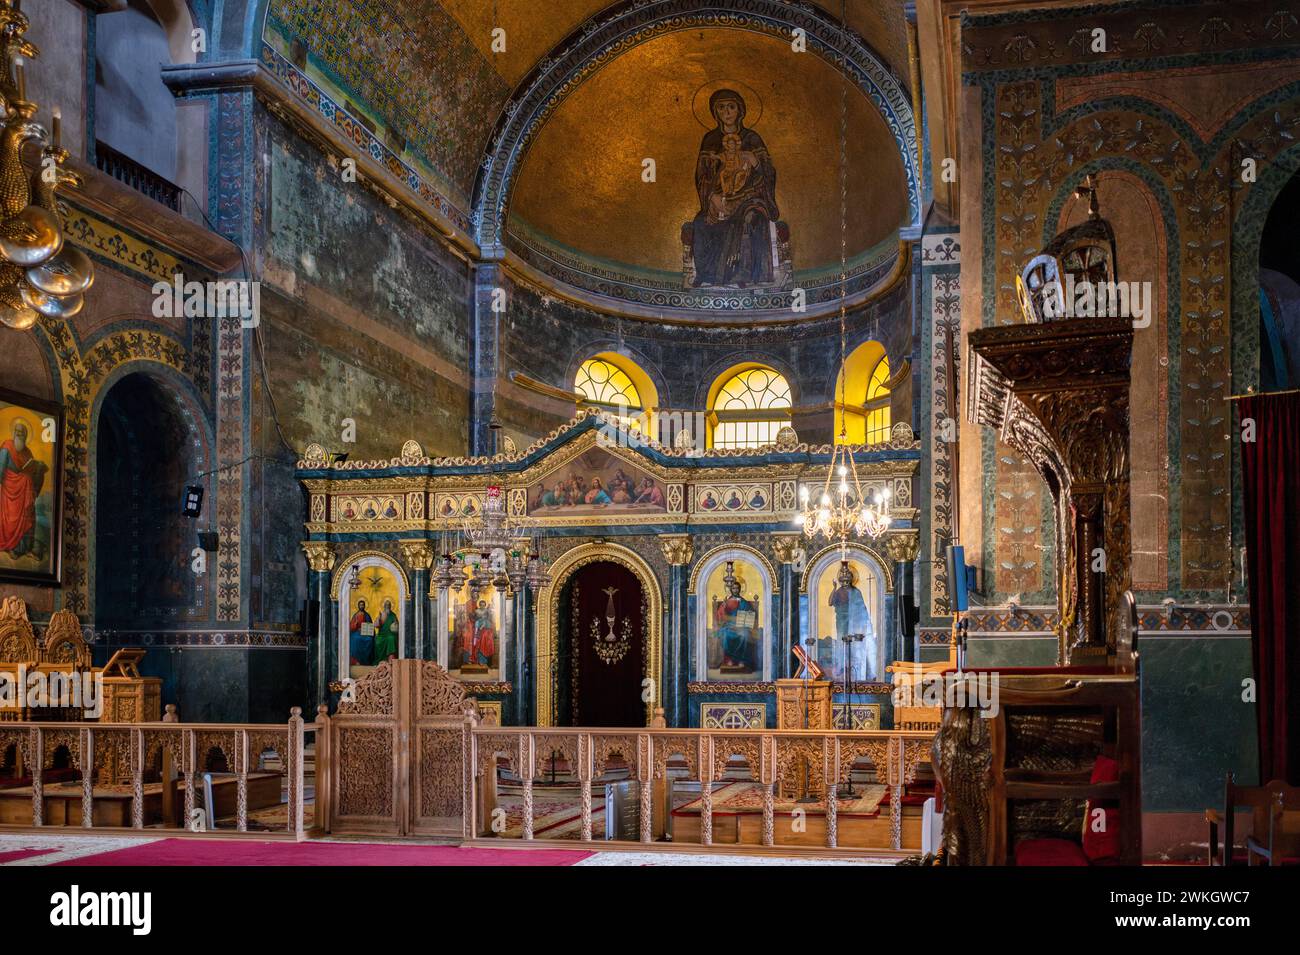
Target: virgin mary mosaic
[(736, 181)]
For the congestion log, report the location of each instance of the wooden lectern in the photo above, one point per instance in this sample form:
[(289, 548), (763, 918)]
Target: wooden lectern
[(802, 704)]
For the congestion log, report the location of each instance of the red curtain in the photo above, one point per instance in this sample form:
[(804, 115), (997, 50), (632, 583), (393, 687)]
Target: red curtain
[(1270, 467), (605, 676)]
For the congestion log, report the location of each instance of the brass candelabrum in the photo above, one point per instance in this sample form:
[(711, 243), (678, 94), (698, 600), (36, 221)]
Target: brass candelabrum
[(40, 274)]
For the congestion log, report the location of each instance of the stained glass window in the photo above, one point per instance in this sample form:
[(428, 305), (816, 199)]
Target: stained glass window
[(744, 406), (606, 385), (864, 410)]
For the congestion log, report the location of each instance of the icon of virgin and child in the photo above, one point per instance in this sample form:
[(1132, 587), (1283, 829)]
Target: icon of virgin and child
[(474, 638), (736, 183)]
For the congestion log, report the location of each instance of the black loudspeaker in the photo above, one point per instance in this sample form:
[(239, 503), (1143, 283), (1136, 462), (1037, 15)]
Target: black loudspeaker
[(309, 619), (192, 505), (905, 607), (956, 555)]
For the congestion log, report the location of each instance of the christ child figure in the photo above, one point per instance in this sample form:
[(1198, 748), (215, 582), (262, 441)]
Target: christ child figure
[(736, 165)]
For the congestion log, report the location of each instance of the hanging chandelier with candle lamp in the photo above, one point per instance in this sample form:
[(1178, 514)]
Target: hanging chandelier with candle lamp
[(40, 274), (842, 509), (496, 550)]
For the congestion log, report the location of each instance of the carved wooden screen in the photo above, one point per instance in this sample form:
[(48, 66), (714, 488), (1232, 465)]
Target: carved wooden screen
[(440, 781), (397, 753)]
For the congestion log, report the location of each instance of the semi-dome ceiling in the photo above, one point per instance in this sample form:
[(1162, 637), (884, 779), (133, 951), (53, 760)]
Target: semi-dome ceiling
[(427, 88), (581, 191)]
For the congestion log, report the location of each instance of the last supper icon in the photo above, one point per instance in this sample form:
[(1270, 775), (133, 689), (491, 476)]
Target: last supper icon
[(737, 238)]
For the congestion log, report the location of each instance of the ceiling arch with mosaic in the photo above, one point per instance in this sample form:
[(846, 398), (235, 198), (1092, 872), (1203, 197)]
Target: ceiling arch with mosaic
[(663, 158)]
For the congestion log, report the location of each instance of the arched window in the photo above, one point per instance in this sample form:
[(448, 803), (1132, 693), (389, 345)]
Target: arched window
[(604, 383), (862, 404), (748, 405), (612, 383)]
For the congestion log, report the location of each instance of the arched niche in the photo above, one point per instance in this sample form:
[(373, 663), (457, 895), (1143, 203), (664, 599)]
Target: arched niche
[(1139, 210), (729, 646), (380, 580), (152, 440), (548, 622), (832, 612)]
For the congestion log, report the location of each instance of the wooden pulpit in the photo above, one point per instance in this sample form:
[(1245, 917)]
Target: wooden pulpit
[(1057, 392), (802, 704)]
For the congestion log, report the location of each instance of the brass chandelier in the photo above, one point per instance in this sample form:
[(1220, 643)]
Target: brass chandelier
[(843, 512), (39, 273)]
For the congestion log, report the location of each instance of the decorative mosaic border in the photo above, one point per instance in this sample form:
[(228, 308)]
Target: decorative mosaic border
[(818, 288), (941, 289), (223, 639), (317, 100)]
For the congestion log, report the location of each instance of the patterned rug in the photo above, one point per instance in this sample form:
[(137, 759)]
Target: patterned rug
[(747, 797), (557, 813)]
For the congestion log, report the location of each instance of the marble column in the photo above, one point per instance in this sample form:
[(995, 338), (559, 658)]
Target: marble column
[(322, 652), (516, 705), (902, 546), (419, 557), (677, 550), (788, 548)]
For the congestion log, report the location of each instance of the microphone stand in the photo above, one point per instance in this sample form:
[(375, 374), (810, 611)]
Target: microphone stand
[(807, 797)]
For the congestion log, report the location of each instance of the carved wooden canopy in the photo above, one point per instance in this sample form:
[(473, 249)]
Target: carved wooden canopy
[(1059, 394)]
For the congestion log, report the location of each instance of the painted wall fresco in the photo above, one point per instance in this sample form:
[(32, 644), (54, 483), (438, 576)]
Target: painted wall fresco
[(390, 352), (30, 528), (371, 51), (594, 144), (597, 482)]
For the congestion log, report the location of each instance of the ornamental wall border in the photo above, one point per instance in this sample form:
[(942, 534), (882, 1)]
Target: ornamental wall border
[(315, 458)]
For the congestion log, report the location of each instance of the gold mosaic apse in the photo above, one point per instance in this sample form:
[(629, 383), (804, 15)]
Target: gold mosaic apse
[(581, 184)]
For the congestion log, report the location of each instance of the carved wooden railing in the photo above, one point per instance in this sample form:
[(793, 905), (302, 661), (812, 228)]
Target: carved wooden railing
[(132, 750), (895, 755)]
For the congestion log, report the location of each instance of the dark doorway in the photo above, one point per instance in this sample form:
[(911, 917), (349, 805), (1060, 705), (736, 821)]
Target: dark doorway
[(600, 677), (146, 454)]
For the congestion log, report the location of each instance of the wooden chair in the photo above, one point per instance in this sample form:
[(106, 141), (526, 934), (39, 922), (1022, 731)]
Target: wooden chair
[(1268, 804)]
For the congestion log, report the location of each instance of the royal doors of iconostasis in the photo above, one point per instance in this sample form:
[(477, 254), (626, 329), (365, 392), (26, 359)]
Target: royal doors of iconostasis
[(602, 650)]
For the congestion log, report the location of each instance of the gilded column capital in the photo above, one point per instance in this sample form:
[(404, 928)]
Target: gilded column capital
[(787, 547), (903, 545), (677, 548), (320, 556), (418, 554)]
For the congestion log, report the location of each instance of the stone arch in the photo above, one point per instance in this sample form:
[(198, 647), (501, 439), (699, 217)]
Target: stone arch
[(604, 37), (712, 376), (151, 432), (1156, 351), (82, 370)]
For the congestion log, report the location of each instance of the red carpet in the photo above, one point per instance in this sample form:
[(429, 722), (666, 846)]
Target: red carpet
[(15, 854), (216, 852)]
